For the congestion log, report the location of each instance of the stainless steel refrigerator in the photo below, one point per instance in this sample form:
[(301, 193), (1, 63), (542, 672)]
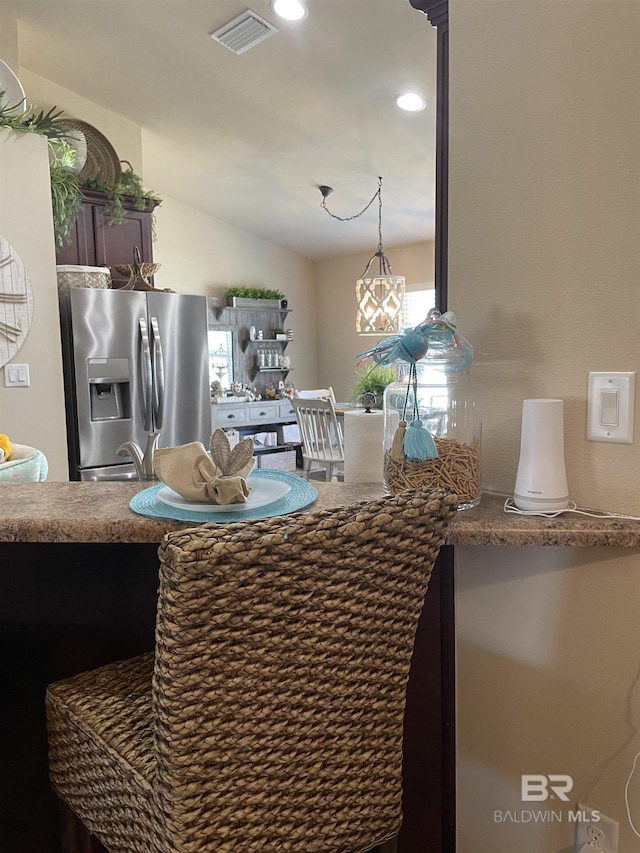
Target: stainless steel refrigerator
[(135, 363)]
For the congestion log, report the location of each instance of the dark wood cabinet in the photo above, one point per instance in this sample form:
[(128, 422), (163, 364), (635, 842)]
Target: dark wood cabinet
[(96, 243)]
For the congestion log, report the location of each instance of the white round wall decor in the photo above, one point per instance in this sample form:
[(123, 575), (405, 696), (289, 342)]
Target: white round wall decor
[(16, 302)]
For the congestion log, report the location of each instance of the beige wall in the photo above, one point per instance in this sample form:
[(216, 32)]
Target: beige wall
[(33, 415), (9, 39), (548, 682), (201, 254), (124, 135), (545, 220), (543, 274), (338, 343)]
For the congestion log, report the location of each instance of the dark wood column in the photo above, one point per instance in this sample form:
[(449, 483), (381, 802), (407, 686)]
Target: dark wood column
[(429, 769), (437, 11)]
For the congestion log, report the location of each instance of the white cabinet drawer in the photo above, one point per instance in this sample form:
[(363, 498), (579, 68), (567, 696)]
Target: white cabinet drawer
[(286, 410), (263, 413), (228, 415)]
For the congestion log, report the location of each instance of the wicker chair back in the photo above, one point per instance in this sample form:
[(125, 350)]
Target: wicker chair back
[(271, 716)]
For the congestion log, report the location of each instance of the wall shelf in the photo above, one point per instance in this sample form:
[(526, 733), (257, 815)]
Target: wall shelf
[(254, 371), (239, 320), (246, 343), (219, 307), (283, 311)]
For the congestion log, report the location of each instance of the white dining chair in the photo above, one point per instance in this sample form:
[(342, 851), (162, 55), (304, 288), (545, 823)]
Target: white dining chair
[(321, 436), (318, 394), (292, 433)]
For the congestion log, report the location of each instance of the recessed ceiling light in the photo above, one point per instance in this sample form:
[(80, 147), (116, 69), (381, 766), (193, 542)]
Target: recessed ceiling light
[(411, 102), (290, 10)]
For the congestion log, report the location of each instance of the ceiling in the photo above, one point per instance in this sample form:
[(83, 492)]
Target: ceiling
[(249, 138)]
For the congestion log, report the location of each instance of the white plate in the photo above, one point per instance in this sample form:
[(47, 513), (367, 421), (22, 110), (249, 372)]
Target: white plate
[(13, 92), (263, 492)]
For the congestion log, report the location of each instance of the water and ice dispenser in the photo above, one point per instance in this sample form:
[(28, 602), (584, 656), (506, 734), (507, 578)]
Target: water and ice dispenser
[(109, 389)]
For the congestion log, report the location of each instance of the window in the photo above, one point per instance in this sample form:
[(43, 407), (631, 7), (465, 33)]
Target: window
[(418, 300), (221, 358)]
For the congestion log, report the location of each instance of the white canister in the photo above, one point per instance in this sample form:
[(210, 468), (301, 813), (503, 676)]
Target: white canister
[(363, 433), (541, 481)]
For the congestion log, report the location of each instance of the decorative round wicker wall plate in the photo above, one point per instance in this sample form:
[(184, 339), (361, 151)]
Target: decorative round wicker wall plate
[(14, 99), (16, 302), (102, 161)]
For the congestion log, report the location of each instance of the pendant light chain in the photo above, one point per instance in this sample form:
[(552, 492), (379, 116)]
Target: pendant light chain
[(378, 295), (385, 266), (377, 194), (380, 215)]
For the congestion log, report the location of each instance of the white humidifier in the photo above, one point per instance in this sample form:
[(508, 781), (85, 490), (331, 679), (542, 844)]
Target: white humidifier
[(541, 482)]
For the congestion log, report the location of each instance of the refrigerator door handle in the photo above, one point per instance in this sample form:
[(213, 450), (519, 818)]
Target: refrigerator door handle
[(158, 375), (145, 375)]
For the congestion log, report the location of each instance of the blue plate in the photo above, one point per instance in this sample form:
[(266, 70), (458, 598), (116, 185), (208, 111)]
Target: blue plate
[(300, 495)]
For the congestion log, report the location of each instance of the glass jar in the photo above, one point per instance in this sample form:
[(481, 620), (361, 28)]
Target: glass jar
[(442, 396)]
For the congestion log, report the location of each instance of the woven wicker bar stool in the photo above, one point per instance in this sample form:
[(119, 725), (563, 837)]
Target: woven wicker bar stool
[(269, 718)]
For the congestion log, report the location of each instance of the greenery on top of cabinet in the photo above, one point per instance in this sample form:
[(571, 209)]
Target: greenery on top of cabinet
[(65, 201), (130, 185), (255, 293), (66, 188), (27, 121)]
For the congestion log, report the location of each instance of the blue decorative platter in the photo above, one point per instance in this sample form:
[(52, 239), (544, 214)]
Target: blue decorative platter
[(300, 495)]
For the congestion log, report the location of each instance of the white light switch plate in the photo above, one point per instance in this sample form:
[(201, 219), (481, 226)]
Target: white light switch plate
[(16, 375), (611, 407)]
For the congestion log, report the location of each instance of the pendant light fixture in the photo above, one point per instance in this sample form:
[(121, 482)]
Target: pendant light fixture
[(379, 295)]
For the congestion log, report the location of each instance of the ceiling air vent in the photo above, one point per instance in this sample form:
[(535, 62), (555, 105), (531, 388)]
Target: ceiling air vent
[(244, 32)]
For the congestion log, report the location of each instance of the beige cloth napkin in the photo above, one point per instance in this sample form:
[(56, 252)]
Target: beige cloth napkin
[(197, 476)]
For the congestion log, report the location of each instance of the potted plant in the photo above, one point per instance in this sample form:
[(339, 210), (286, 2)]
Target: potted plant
[(373, 380), (254, 297)]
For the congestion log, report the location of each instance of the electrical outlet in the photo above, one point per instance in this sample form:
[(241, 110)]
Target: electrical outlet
[(595, 832)]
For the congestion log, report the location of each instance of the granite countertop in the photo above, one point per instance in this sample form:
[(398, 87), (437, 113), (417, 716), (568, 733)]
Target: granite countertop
[(99, 512)]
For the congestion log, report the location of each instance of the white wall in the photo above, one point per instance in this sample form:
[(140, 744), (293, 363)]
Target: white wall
[(33, 415), (338, 343), (544, 266)]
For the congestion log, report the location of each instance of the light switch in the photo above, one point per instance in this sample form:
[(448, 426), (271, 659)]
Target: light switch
[(16, 375), (611, 407)]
